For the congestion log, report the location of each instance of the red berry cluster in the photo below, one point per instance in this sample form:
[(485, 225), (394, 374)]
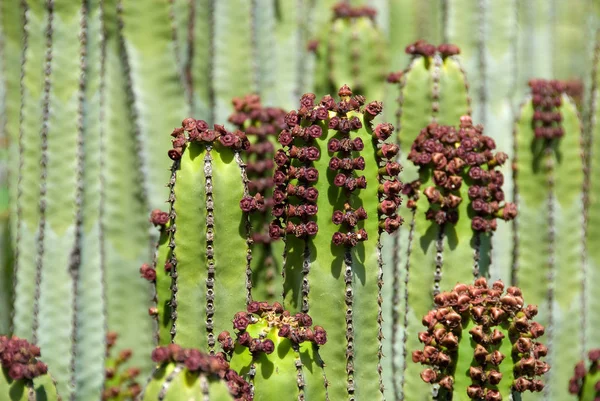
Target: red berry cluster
[(546, 96), (422, 48), (296, 328), (343, 10), (455, 158), (119, 384), (576, 384), (198, 362), (197, 131), (19, 358), (263, 124), (496, 315)]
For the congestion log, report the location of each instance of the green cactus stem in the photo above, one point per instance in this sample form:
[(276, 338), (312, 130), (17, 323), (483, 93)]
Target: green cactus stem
[(277, 352), (119, 382), (23, 376), (204, 253), (585, 382), (332, 221), (549, 240), (188, 374), (261, 125), (481, 343), (351, 50)]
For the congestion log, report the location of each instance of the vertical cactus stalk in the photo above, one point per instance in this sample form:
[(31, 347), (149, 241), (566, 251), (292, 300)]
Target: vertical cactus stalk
[(205, 246), (585, 382), (22, 376), (481, 344), (332, 222), (549, 178), (187, 373), (351, 51), (277, 352), (592, 209), (487, 32), (261, 125)]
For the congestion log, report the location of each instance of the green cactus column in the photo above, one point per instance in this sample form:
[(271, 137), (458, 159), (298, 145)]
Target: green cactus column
[(481, 343), (332, 221), (549, 240), (202, 271)]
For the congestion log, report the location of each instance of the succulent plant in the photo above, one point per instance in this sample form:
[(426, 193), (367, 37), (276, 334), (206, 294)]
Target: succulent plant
[(24, 377), (549, 231), (277, 352), (188, 374), (119, 383), (585, 382), (481, 343)]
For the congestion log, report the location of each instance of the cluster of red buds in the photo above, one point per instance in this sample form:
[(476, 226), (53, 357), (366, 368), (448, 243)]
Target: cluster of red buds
[(580, 375), (343, 10), (198, 362), (19, 358), (263, 124), (456, 158), (119, 383), (197, 131), (494, 317), (422, 48), (546, 96), (159, 218), (296, 328)]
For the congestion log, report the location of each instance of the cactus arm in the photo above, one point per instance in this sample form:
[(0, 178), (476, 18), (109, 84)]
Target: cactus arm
[(201, 62), (566, 331), (125, 219), (277, 372), (313, 372), (163, 286), (32, 85), (232, 73), (155, 85), (89, 368), (589, 391), (45, 389), (592, 215), (155, 383), (57, 268)]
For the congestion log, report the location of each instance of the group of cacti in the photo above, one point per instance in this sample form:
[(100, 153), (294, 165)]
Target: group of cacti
[(325, 236)]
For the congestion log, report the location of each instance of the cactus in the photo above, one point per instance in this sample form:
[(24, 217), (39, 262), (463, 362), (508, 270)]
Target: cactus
[(332, 221), (277, 352), (351, 50), (585, 383), (119, 384), (203, 258), (261, 125), (24, 377), (486, 334), (549, 235), (186, 373)]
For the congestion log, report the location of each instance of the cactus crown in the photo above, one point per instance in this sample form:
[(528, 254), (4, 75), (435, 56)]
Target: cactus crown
[(19, 358), (546, 96), (487, 333), (453, 158), (586, 382)]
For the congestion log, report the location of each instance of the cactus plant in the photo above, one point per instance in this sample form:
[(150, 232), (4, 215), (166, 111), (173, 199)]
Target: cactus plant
[(188, 374), (277, 352), (332, 221), (119, 384), (585, 383), (481, 343), (549, 178), (23, 376)]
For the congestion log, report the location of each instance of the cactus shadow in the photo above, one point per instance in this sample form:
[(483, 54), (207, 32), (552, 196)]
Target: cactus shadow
[(429, 237)]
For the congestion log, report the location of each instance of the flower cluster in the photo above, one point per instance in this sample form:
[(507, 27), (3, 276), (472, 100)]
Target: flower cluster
[(422, 48), (212, 365), (494, 317), (344, 10), (275, 320), (546, 97), (197, 131), (19, 358), (263, 124), (456, 158), (119, 383), (580, 376)]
